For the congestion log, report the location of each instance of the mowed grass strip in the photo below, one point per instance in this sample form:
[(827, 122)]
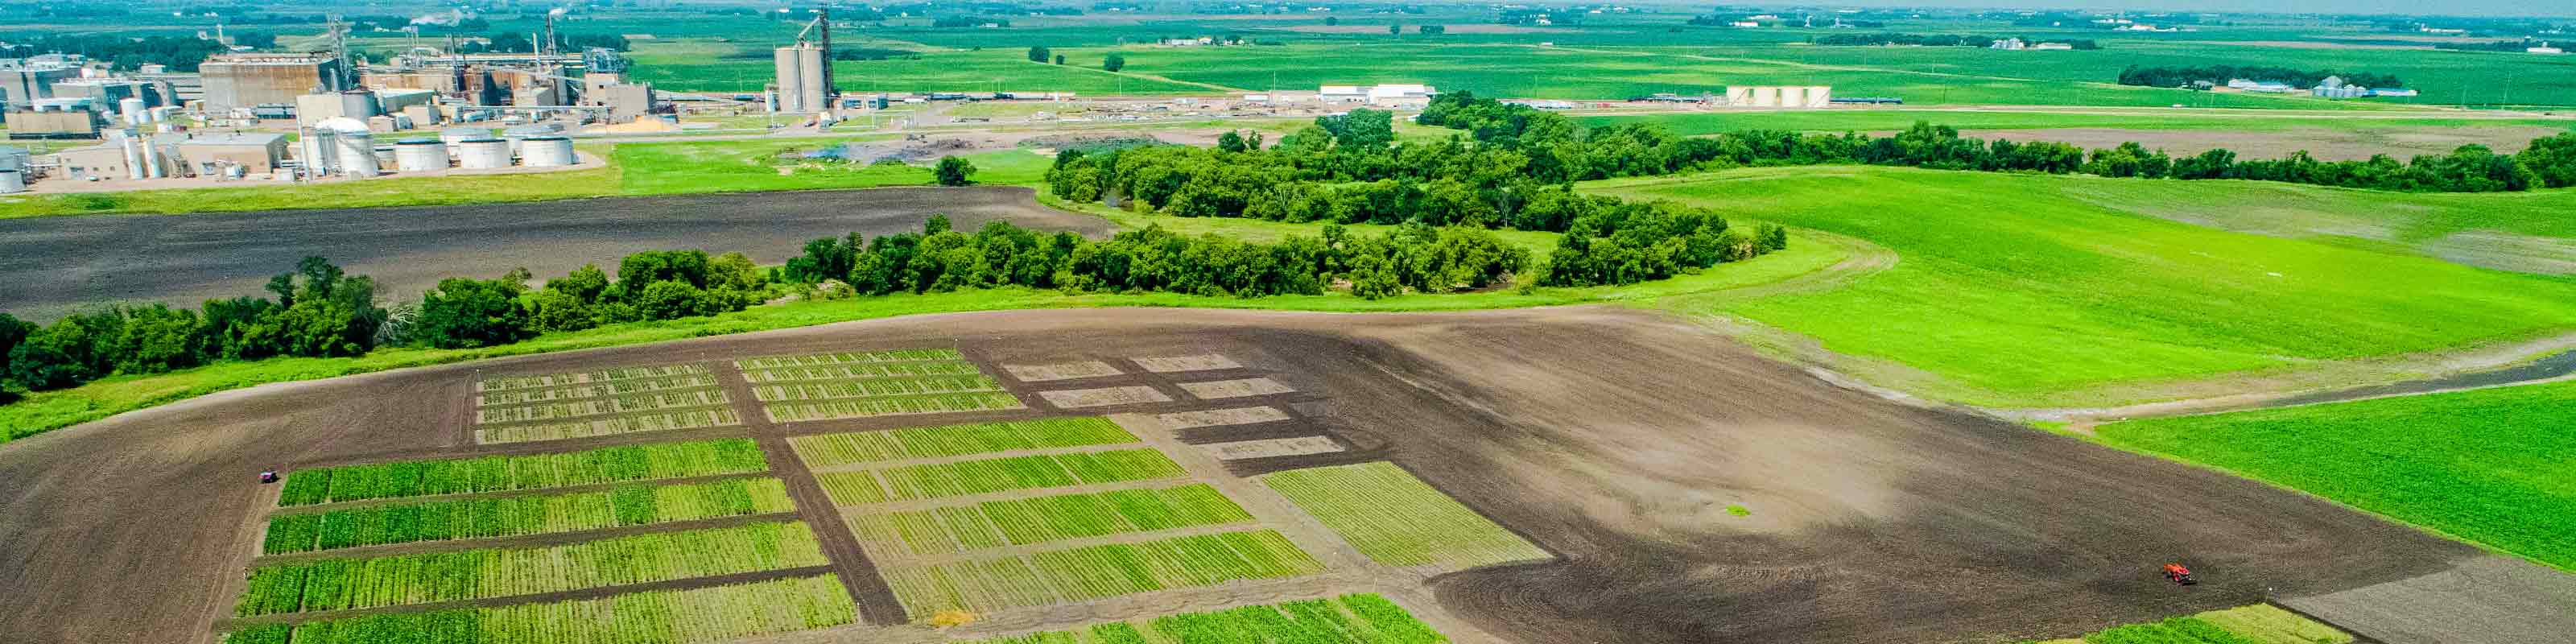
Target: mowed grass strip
[(509, 383), (857, 357), (595, 389), (1019, 522), (860, 370), (2494, 466), (341, 584), (1095, 572), (715, 614), (982, 476), (508, 473), (826, 450), (628, 424), (1398, 520), (628, 505), (892, 406), (1348, 619)]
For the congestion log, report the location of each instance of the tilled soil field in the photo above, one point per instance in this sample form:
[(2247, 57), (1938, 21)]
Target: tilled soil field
[(1615, 439), (58, 263)]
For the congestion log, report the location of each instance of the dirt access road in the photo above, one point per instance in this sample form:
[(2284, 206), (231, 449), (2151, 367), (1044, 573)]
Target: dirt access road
[(58, 264), (1615, 438)]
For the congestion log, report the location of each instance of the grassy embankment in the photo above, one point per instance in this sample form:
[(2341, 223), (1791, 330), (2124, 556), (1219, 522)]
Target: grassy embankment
[(2041, 291), (2256, 624), (1888, 119), (2495, 467)]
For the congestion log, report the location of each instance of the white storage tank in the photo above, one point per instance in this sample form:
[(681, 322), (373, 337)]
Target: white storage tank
[(420, 155), (385, 157), (483, 153), (354, 154), (12, 180), (132, 109), (458, 135), (316, 152), (545, 152), (1793, 96)]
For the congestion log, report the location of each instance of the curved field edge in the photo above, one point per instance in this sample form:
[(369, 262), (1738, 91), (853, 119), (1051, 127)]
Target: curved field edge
[(2406, 458), (41, 412), (2030, 291)]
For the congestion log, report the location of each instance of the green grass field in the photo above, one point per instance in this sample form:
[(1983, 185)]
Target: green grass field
[(699, 615), (2256, 624), (1398, 520), (395, 580), (629, 505), (2021, 290), (533, 472), (2493, 466)]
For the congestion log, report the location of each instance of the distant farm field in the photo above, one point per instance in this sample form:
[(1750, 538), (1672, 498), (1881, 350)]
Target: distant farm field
[(2495, 466), (2017, 290)]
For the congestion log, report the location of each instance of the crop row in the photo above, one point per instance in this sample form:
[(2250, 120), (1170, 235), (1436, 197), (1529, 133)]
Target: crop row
[(694, 616), (599, 406), (891, 406), (506, 383), (339, 584), (848, 371), (613, 425), (1349, 619), (1398, 520), (825, 450), (857, 357), (1015, 522), (875, 387), (510, 516), (504, 473), (941, 480), (593, 390), (1083, 574)]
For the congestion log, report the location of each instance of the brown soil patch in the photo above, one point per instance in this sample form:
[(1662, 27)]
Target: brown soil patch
[(1213, 417), (1172, 364), (1235, 388), (1615, 438), (1104, 396), (1064, 371)]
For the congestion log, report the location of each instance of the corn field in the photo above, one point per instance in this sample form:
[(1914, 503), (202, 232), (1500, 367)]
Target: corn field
[(512, 516), (341, 584), (692, 616), (1398, 520), (508, 473)]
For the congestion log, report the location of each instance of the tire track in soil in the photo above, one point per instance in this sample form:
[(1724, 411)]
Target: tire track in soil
[(876, 600)]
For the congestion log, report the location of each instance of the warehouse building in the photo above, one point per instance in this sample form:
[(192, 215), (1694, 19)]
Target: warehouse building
[(234, 81)]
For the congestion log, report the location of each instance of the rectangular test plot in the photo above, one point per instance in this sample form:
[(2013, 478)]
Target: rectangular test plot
[(829, 386), (510, 409), (1219, 389)]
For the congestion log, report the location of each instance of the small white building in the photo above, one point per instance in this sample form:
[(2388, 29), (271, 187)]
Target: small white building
[(1400, 95), (1342, 94), (2544, 48)]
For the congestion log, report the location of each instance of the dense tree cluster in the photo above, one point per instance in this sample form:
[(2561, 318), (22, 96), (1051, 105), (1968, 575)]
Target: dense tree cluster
[(1556, 150), (2218, 75), (317, 312), (127, 52)]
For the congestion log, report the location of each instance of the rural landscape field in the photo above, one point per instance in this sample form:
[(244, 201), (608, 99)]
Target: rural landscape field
[(1041, 322)]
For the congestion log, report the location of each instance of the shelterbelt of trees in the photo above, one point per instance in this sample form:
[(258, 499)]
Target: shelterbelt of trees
[(1550, 148)]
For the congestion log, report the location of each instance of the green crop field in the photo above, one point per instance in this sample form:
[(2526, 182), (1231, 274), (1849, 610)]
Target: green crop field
[(394, 580), (827, 450), (843, 371), (1349, 619), (698, 615), (621, 424), (858, 385), (876, 387), (2038, 290), (941, 480), (2494, 466), (639, 378), (627, 505), (2256, 624), (532, 472), (722, 67), (1019, 522), (1095, 572), (1398, 520), (632, 403)]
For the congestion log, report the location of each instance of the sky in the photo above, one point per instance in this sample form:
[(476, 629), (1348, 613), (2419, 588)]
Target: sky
[(2555, 8)]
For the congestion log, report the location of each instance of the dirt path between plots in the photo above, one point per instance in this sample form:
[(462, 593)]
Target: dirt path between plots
[(850, 563), (1613, 437)]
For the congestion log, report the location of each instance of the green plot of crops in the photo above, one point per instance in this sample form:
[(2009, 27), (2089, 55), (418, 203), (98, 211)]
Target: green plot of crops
[(2256, 624), (2494, 466), (984, 476), (1096, 572), (715, 614), (532, 472), (825, 450), (394, 580), (2017, 289), (1348, 619), (1019, 522), (1398, 520), (629, 505)]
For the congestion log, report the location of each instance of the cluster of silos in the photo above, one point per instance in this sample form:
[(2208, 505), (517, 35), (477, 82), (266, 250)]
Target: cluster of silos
[(801, 80), (1779, 96), (13, 169), (343, 146)]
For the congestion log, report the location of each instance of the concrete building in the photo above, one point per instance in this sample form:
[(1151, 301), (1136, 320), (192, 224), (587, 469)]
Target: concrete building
[(803, 81), (1400, 96), (1341, 94), (121, 158), (53, 124), (625, 101), (212, 155), (245, 80), (21, 82), (315, 108)]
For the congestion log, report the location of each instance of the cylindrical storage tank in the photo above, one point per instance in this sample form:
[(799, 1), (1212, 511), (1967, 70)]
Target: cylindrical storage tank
[(420, 155), (1795, 96), (356, 154), (790, 79), (809, 70), (12, 180), (455, 135), (545, 152), (357, 103), (1820, 95), (385, 157), (133, 156), (317, 152), (484, 153), (132, 109)]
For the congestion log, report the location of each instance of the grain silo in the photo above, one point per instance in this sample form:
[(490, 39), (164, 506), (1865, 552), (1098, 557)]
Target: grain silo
[(420, 155), (12, 180), (456, 135), (801, 78), (481, 154), (1819, 95), (315, 152), (353, 148), (1793, 96), (545, 152)]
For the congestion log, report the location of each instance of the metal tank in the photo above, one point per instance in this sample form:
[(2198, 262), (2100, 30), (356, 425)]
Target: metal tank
[(455, 135), (790, 80), (1793, 96), (12, 180), (355, 154), (483, 153), (545, 152), (132, 109), (420, 155), (316, 152), (385, 157)]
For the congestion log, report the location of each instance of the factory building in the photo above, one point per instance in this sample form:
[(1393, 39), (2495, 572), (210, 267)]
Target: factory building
[(74, 123), (353, 104), (1402, 95), (248, 80), (23, 81), (235, 155), (802, 79)]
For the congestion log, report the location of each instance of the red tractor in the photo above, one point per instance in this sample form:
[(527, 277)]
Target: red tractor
[(2175, 573)]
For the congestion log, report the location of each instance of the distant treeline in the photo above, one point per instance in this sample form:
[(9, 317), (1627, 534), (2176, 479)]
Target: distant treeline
[(181, 53), (1933, 40), (2516, 46), (1643, 149), (2218, 75)]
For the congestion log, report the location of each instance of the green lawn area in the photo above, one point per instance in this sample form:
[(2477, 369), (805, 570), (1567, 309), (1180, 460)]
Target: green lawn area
[(2493, 466), (2255, 624), (2025, 290)]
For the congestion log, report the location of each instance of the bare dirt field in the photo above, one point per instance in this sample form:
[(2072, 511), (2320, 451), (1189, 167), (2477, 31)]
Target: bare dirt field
[(58, 263), (1614, 438), (2322, 143)]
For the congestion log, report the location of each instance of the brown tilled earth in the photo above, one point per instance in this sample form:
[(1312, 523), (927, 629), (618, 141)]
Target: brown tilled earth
[(1612, 437)]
